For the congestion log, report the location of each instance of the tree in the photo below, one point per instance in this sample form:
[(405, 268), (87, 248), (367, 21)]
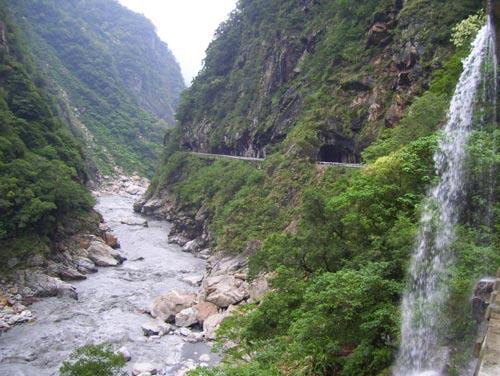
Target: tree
[(94, 360)]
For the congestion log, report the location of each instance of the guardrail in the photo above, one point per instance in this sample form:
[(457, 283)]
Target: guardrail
[(253, 159)]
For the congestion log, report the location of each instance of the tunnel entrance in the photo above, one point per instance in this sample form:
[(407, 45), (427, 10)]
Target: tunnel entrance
[(330, 153), (337, 153)]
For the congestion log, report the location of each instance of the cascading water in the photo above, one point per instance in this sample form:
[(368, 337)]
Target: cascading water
[(424, 325)]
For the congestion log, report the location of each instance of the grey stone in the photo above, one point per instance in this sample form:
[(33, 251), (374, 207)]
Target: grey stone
[(156, 327), (187, 317), (165, 307)]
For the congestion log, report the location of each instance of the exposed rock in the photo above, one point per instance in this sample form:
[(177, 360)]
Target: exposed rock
[(142, 368), (44, 285), (70, 274), (219, 265), (156, 327), (165, 307), (103, 255), (177, 239), (84, 265), (205, 310), (210, 325), (194, 280), (111, 240), (193, 246), (204, 254), (134, 190), (224, 290), (187, 317)]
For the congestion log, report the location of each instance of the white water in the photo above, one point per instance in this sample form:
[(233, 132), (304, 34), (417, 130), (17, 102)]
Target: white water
[(423, 349), (110, 305)]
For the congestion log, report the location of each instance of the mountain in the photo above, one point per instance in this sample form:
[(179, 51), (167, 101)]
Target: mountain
[(116, 82), (354, 66), (42, 169), (299, 82)]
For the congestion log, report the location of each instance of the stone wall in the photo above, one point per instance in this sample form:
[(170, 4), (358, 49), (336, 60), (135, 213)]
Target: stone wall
[(489, 356)]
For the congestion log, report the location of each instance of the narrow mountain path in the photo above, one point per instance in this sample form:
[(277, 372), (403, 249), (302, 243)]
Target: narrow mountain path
[(253, 159)]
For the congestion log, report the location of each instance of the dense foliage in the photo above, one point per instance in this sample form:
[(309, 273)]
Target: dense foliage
[(41, 166), (94, 360), (117, 84), (337, 240)]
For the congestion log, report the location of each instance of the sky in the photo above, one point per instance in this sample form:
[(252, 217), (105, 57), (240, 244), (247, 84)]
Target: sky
[(187, 26)]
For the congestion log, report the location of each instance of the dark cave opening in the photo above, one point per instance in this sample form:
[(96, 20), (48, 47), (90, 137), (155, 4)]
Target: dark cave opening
[(330, 153)]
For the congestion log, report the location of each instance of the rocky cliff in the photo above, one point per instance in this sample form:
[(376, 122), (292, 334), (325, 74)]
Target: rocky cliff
[(347, 69), (117, 84)]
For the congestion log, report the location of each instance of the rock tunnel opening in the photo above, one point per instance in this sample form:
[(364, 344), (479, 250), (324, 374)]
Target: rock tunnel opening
[(337, 153), (330, 153)]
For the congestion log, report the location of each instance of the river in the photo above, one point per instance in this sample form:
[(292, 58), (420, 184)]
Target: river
[(110, 304)]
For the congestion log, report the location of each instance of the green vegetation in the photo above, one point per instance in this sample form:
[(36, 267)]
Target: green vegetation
[(276, 67), (94, 360), (42, 172), (116, 83), (338, 241)]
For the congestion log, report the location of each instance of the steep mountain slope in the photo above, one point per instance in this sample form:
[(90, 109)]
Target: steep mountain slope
[(117, 83), (42, 174), (339, 80), (353, 67)]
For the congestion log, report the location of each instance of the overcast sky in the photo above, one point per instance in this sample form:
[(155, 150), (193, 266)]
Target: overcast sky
[(187, 26)]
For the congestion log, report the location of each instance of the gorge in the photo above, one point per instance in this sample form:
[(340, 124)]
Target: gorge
[(322, 198)]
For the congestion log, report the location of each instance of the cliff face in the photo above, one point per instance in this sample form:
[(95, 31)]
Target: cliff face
[(348, 69), (117, 84)]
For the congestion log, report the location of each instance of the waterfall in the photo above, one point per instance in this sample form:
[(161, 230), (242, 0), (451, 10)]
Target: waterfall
[(423, 349)]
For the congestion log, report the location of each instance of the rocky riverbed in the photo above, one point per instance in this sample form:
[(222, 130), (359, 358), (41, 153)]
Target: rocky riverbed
[(114, 304)]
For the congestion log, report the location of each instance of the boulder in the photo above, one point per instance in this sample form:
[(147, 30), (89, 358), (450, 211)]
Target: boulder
[(141, 368), (220, 265), (103, 255), (187, 317), (111, 240), (205, 310), (193, 246), (210, 325), (165, 307), (224, 290), (70, 274), (84, 265), (44, 285), (155, 328), (177, 239), (134, 190)]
